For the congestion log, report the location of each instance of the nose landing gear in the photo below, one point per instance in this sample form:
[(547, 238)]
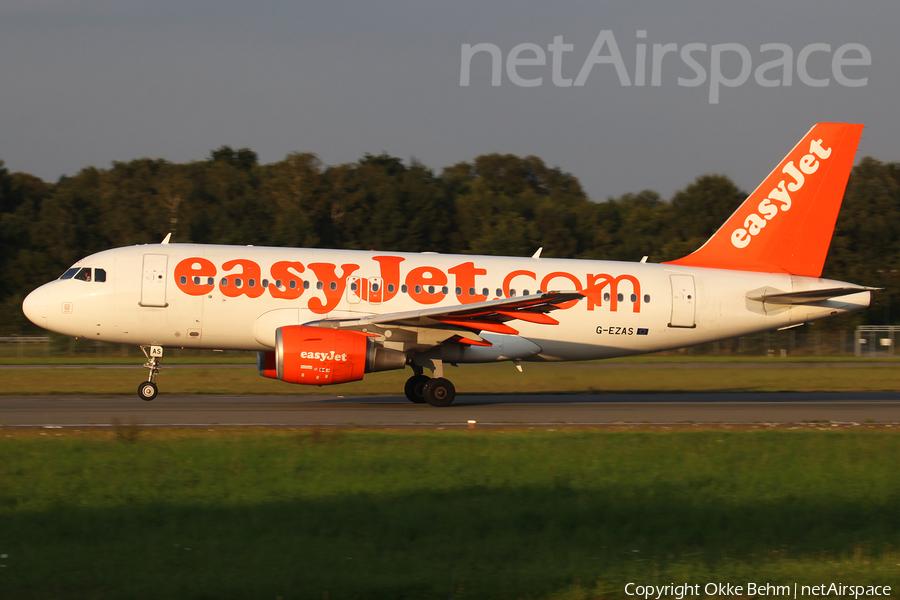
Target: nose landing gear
[(147, 390)]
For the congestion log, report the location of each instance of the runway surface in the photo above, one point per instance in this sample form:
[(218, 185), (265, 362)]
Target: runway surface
[(686, 409), (617, 366)]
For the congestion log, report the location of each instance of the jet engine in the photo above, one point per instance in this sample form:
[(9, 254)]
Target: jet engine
[(323, 356)]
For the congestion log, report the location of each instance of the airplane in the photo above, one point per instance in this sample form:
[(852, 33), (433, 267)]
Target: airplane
[(324, 317)]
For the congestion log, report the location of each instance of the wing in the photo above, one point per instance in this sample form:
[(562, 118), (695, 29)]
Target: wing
[(462, 323)]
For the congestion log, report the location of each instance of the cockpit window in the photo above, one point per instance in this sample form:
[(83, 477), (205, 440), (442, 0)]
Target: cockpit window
[(85, 274)]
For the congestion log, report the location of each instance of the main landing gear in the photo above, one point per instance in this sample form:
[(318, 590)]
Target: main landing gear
[(147, 390), (435, 391)]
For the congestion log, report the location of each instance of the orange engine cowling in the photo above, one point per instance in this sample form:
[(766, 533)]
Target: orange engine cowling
[(322, 356)]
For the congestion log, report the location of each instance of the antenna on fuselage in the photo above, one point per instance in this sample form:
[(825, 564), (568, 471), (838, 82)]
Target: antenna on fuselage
[(167, 238)]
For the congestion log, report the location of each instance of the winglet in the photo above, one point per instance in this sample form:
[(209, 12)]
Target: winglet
[(167, 238), (786, 224), (537, 253)]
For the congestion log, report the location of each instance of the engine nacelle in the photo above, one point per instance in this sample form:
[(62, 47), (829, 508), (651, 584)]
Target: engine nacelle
[(322, 356)]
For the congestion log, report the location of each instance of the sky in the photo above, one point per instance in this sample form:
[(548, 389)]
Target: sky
[(88, 82)]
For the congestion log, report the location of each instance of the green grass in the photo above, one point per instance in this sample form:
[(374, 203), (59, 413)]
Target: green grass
[(481, 379), (136, 359), (438, 514)]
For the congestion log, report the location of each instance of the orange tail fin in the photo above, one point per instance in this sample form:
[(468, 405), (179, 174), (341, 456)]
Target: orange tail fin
[(786, 224)]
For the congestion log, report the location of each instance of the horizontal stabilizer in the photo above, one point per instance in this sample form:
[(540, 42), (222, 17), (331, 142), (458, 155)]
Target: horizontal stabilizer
[(810, 296)]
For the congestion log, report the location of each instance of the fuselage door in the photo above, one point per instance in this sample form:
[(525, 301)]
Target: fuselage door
[(375, 292), (354, 289), (684, 300), (153, 284)]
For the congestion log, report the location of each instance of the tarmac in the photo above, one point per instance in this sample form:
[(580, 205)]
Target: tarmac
[(508, 410)]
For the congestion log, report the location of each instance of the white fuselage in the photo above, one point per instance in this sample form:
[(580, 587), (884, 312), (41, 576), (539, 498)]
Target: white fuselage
[(185, 295)]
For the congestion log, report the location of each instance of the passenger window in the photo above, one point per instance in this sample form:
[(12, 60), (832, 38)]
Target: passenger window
[(620, 297), (471, 291), (353, 287), (319, 285), (251, 282), (333, 286), (606, 297), (83, 274), (404, 288), (485, 292), (524, 292), (459, 291), (293, 284), (183, 280), (374, 287), (305, 285), (265, 283), (633, 298), (445, 290), (430, 289), (499, 293), (100, 275), (391, 288), (210, 281), (69, 274), (196, 280), (224, 282), (646, 298)]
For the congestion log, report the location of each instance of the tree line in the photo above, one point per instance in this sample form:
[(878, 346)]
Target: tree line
[(498, 204)]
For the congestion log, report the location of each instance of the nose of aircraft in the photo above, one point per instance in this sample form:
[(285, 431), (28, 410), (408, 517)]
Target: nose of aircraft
[(35, 307)]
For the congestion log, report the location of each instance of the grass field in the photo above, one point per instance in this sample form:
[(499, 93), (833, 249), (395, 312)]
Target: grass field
[(481, 379), (437, 514)]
